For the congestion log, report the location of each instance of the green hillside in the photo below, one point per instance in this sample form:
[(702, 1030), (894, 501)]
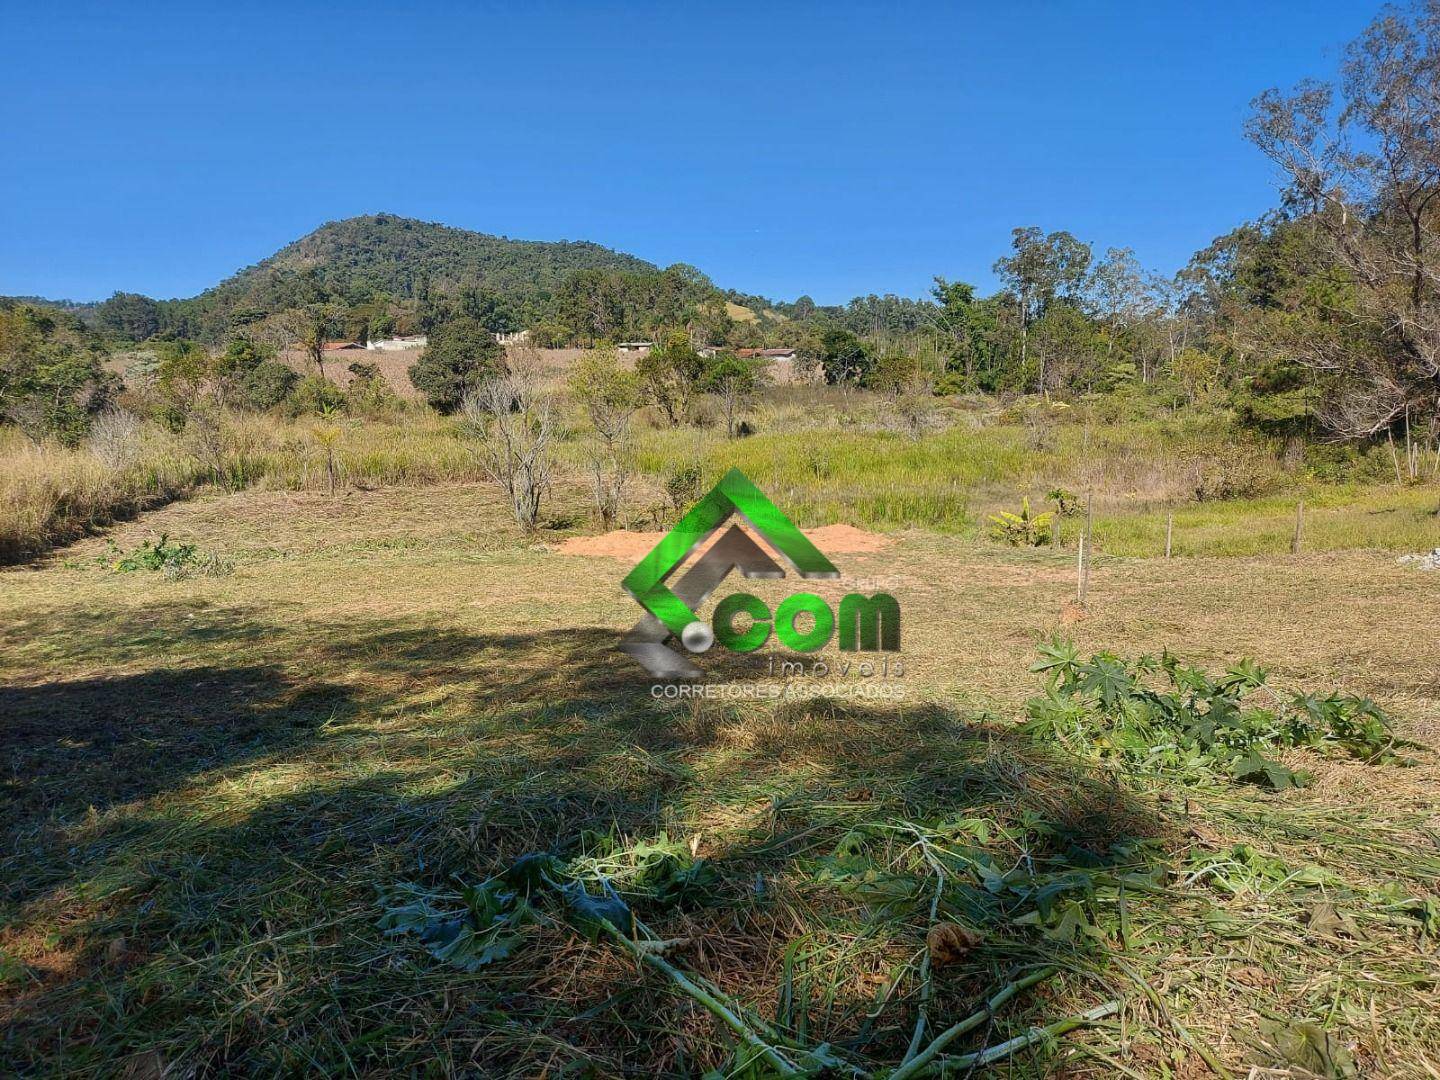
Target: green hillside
[(362, 259), (383, 253)]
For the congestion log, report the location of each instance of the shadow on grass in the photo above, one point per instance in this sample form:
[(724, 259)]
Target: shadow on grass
[(358, 755), (92, 742)]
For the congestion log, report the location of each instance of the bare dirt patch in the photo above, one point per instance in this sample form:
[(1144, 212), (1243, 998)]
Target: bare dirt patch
[(629, 546)]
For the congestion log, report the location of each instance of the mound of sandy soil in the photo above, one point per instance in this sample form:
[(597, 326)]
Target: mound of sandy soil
[(631, 546)]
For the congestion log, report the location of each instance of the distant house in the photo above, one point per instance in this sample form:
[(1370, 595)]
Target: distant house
[(341, 346), (768, 354), (635, 346), (397, 344), (519, 337)]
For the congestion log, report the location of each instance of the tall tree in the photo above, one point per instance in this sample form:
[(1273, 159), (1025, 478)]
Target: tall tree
[(1364, 173), (1039, 269)]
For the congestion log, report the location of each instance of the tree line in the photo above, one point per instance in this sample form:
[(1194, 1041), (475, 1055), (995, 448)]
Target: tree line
[(1318, 319)]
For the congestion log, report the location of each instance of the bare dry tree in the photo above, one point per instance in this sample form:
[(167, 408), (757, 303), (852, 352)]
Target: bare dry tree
[(512, 419)]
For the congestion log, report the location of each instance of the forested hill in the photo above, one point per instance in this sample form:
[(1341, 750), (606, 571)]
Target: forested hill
[(381, 253), (368, 260)]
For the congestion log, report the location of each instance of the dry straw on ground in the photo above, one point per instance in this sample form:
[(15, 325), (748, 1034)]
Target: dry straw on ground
[(223, 774)]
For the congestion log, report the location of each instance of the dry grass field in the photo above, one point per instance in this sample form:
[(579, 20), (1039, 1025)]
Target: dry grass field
[(217, 786), (553, 364)]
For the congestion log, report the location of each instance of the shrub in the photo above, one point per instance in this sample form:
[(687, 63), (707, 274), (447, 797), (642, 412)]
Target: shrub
[(951, 383), (369, 393), (1067, 503), (115, 438), (176, 561), (893, 373), (1196, 722), (313, 394), (670, 374), (1023, 529), (236, 364), (267, 385), (1233, 471), (156, 555), (682, 487)]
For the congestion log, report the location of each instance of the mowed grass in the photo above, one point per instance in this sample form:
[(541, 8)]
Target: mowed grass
[(211, 782)]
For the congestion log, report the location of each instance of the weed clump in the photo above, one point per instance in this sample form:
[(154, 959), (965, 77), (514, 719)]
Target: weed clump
[(1194, 722), (173, 559)]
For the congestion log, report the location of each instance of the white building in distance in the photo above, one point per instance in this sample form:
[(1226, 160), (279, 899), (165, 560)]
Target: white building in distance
[(396, 344)]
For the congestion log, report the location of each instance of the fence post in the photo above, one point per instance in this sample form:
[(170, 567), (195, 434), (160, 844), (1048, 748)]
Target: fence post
[(1299, 527), (1085, 545), (1169, 532)]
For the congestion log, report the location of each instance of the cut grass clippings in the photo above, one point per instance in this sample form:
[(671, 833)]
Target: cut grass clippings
[(217, 786)]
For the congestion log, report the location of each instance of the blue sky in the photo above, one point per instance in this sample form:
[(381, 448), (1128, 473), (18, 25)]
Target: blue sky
[(834, 149)]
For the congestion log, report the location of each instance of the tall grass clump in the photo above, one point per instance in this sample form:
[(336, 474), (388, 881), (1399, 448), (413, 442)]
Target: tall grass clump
[(405, 449), (839, 458), (50, 493)]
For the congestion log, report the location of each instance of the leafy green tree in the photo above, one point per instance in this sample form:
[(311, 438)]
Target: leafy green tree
[(51, 379), (843, 356), (181, 377), (714, 324), (1040, 269), (1364, 178), (314, 395), (234, 366), (461, 354), (734, 381), (1067, 349), (489, 309), (893, 373), (129, 316), (670, 374), (1197, 371), (485, 307), (592, 304)]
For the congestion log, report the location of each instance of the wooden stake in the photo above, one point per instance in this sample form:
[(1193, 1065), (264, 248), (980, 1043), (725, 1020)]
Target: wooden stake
[(1299, 527), (1085, 545), (1409, 447), (1169, 532)]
